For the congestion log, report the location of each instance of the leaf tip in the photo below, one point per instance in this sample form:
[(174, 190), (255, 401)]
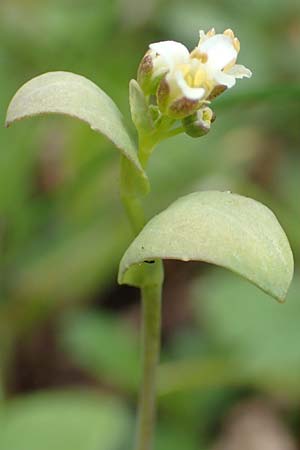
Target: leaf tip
[(120, 278), (282, 296), (8, 121)]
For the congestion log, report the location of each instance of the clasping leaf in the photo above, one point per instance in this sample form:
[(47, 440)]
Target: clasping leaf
[(221, 228)]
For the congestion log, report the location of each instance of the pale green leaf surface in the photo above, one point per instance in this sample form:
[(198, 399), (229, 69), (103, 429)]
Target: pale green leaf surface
[(63, 421), (221, 228), (76, 96)]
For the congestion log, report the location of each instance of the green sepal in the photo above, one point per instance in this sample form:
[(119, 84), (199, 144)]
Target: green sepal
[(140, 113)]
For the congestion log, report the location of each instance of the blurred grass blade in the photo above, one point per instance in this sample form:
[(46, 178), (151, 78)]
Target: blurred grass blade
[(226, 229), (76, 96), (273, 93), (63, 421)]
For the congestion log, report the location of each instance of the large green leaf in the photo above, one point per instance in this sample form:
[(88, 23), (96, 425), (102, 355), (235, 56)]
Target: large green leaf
[(222, 228), (63, 421), (76, 96)]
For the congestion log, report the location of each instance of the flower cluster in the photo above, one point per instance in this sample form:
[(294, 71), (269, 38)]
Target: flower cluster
[(184, 82)]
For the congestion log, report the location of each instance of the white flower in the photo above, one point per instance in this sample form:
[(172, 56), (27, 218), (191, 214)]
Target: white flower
[(196, 77), (220, 52), (173, 59)]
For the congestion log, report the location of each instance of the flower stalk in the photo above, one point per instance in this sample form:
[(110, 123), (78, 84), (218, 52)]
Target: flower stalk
[(151, 313), (170, 96), (151, 294)]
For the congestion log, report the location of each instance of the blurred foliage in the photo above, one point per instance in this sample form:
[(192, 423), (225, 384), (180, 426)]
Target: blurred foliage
[(85, 337), (260, 334), (63, 420), (63, 231)]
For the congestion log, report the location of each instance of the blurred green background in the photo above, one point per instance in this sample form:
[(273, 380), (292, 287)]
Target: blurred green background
[(69, 336)]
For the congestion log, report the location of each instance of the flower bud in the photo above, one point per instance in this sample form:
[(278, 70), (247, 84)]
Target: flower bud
[(199, 123), (150, 72), (145, 70)]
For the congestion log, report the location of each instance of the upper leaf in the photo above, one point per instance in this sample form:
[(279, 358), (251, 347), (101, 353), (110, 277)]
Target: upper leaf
[(226, 229), (75, 96)]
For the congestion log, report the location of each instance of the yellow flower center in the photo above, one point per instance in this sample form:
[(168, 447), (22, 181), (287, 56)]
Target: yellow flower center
[(195, 77)]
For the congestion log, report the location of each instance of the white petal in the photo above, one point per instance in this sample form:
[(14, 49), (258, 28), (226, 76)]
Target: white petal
[(220, 51), (160, 65), (224, 79), (172, 52), (187, 91), (204, 36), (239, 71)]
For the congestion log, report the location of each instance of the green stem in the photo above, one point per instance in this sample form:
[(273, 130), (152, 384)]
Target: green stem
[(148, 141), (135, 212), (173, 132), (147, 144), (130, 195), (151, 299), (152, 279)]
